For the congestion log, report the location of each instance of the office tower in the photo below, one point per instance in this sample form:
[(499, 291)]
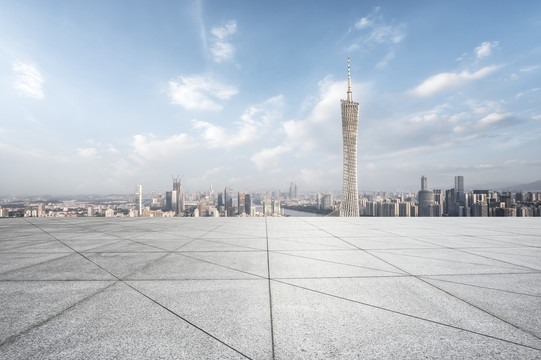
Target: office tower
[(424, 183), (459, 190), (248, 204), (292, 191), (350, 119), (220, 199), (439, 202), (168, 200), (276, 208), (241, 203), (139, 199), (450, 200), (228, 201), (203, 206), (327, 201), (177, 196), (426, 199), (212, 199)]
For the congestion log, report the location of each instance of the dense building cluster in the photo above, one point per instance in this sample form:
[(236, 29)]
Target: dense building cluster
[(452, 202), (175, 203)]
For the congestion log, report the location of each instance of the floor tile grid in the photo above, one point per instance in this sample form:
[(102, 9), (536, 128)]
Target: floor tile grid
[(119, 280), (442, 290), (462, 249), (278, 280)]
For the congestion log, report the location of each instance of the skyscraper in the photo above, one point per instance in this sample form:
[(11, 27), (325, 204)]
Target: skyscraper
[(241, 202), (248, 204), (350, 119), (228, 201), (424, 185), (177, 196), (139, 199), (293, 191), (459, 189), (426, 199)]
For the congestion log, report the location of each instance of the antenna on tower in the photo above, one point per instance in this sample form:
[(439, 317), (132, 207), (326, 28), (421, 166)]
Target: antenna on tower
[(350, 98)]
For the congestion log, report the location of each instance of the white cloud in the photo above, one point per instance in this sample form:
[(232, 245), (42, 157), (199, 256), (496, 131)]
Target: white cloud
[(329, 179), (215, 136), (269, 157), (390, 55), (368, 20), (445, 81), (198, 92), (530, 68), (523, 162), (483, 107), (485, 49), (88, 153), (221, 48), (521, 94), (495, 119), (28, 80), (150, 147), (253, 123), (536, 117), (375, 31), (321, 130), (387, 34)]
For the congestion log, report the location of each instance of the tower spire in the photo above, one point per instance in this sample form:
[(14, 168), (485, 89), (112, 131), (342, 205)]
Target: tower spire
[(350, 98)]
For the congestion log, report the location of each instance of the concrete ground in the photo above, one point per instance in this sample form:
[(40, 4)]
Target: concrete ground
[(270, 288)]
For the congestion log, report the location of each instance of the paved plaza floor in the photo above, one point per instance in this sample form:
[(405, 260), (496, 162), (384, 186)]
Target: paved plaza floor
[(270, 288)]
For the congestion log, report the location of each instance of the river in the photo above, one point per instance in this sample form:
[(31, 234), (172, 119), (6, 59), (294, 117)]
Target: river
[(295, 213)]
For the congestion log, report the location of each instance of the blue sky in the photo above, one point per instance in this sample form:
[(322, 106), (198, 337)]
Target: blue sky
[(98, 96)]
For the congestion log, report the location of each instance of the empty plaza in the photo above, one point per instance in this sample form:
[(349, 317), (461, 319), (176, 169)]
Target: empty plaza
[(270, 288)]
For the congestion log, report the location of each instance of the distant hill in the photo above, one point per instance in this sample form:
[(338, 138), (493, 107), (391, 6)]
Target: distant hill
[(534, 186)]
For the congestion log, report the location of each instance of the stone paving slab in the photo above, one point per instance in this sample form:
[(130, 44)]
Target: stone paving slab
[(270, 288)]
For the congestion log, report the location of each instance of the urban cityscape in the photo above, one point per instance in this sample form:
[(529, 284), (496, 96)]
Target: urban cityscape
[(197, 179), (452, 202)]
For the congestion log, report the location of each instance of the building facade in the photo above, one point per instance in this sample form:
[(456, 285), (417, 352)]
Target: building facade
[(139, 199)]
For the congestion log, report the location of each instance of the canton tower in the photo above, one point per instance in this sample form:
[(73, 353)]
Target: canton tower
[(350, 120)]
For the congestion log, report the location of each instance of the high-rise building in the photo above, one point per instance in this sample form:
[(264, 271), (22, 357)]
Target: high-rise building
[(327, 201), (228, 201), (168, 200), (139, 199), (293, 191), (424, 182), (248, 204), (177, 196), (459, 190), (350, 119), (241, 203), (426, 199), (220, 199)]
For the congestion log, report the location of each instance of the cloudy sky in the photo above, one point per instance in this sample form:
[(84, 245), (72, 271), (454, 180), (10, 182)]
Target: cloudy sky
[(98, 96)]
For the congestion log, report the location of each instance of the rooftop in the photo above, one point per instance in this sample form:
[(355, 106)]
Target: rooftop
[(270, 288)]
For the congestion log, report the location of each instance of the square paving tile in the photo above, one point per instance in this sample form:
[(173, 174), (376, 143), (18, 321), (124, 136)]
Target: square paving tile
[(270, 288)]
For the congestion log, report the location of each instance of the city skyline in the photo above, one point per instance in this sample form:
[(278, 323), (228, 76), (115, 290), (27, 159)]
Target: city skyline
[(99, 97)]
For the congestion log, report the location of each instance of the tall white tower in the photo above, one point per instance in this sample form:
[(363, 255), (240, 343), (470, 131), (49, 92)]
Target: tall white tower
[(350, 120)]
